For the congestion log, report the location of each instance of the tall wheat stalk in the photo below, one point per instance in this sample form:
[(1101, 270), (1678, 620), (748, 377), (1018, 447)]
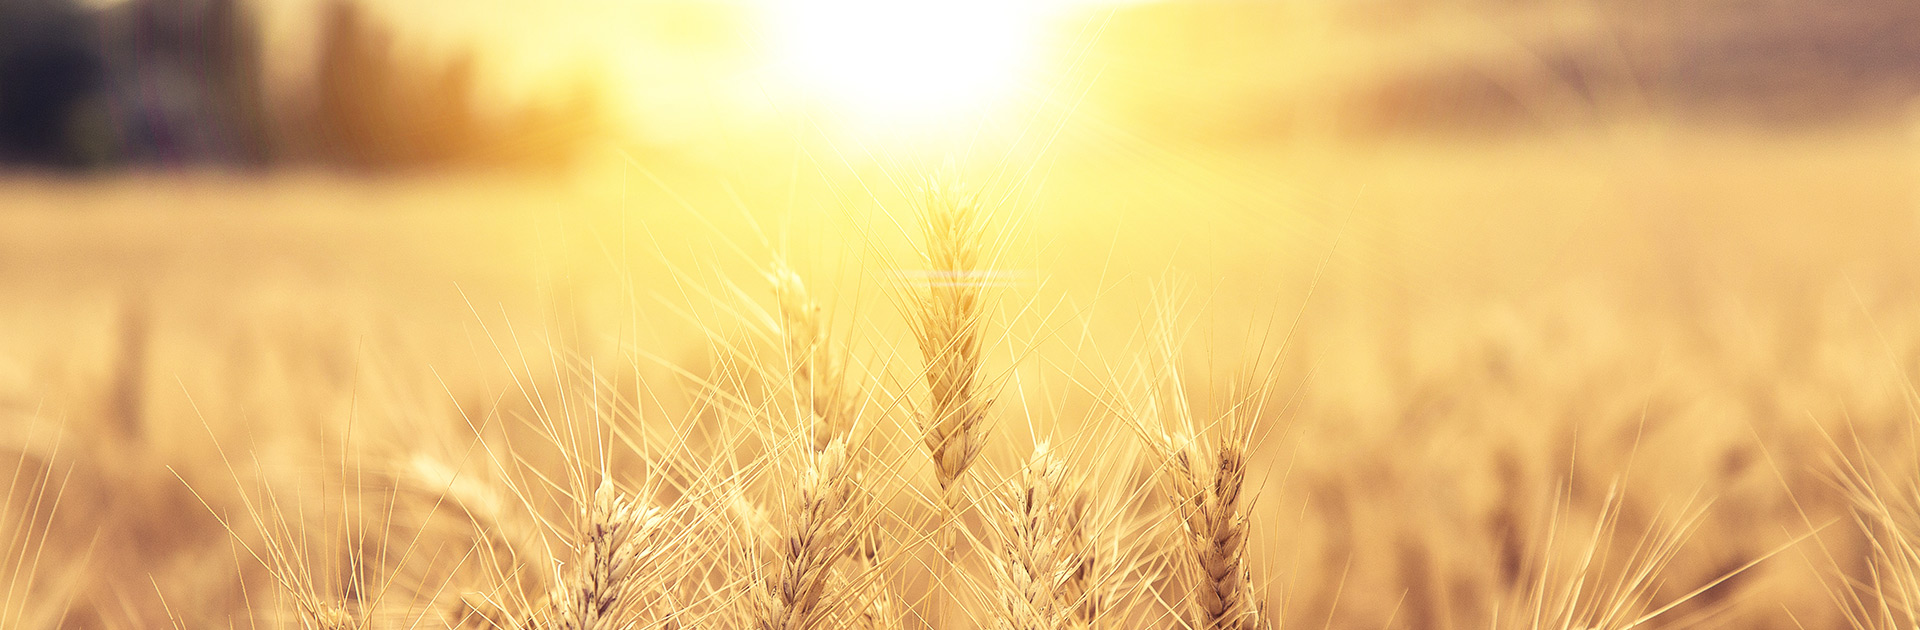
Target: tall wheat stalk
[(948, 320), (1205, 468), (948, 324)]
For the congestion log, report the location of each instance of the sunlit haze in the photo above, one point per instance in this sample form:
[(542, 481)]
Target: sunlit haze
[(907, 63), (960, 314)]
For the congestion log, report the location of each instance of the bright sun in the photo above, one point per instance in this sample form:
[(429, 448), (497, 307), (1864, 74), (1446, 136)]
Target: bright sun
[(905, 61)]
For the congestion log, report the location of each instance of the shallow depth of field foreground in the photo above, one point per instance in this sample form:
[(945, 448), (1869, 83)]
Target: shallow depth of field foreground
[(1166, 315)]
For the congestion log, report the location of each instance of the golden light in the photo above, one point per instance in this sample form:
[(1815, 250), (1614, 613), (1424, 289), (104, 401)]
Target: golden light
[(904, 61)]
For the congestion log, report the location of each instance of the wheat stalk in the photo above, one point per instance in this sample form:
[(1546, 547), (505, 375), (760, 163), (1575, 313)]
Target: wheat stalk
[(1206, 469), (878, 608), (947, 322)]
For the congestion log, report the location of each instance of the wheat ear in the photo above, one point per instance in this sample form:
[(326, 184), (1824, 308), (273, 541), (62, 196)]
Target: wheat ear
[(817, 379), (613, 548), (947, 321), (948, 327), (1206, 489), (814, 537), (1030, 578), (320, 615)]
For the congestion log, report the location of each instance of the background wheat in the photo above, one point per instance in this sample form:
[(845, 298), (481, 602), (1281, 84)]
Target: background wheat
[(1516, 377)]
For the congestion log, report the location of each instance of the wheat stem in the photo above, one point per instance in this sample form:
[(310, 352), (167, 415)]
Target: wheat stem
[(1080, 592)]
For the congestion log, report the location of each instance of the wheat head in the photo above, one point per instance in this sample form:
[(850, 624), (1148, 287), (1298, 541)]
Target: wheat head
[(815, 536), (817, 380), (948, 327), (1205, 488), (1031, 575), (615, 545)]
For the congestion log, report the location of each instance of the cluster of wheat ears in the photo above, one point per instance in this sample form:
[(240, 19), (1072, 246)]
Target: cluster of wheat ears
[(778, 504), (798, 532), (803, 490)]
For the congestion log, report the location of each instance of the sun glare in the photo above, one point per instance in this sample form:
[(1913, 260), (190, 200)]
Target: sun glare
[(904, 61)]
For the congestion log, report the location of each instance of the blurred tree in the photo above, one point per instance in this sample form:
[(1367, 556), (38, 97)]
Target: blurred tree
[(49, 69), (353, 113), (185, 80), (376, 109)]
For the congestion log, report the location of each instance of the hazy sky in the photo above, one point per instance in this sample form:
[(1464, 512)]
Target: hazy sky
[(686, 58)]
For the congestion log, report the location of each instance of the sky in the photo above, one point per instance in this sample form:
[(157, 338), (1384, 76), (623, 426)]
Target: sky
[(687, 61)]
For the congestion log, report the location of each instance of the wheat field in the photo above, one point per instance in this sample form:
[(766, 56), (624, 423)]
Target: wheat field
[(1647, 377)]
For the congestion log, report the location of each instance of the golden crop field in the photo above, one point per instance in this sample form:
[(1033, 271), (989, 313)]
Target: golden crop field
[(1100, 367)]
